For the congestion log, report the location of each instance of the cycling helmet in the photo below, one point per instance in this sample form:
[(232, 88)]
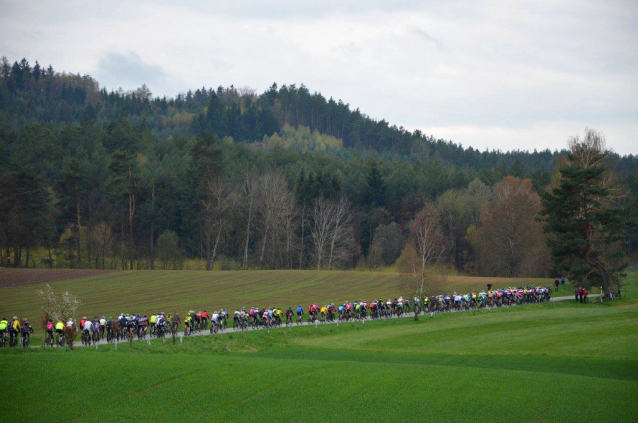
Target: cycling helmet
[(84, 317), (15, 317)]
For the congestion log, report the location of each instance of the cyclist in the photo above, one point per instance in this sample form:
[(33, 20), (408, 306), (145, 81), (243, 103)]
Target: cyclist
[(175, 322), (198, 319), (278, 314), (223, 317), (205, 318), (26, 331), (49, 329), (4, 326), (324, 313), (187, 324), (265, 316), (14, 329), (160, 325), (299, 313), (87, 329), (214, 320), (153, 320), (109, 328), (82, 322), (59, 329), (142, 326)]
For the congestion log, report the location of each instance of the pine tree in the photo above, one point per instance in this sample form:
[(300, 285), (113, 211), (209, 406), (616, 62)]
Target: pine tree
[(375, 186), (72, 188), (587, 225)]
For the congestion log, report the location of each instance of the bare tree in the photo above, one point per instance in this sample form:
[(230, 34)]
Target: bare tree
[(322, 212), (250, 190), (427, 246), (59, 307), (303, 222), (225, 198), (276, 211), (331, 230), (341, 230)]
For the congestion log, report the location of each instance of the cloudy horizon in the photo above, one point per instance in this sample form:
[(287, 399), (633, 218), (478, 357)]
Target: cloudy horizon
[(485, 74)]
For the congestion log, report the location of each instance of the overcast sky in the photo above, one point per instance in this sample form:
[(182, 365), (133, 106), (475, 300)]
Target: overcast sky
[(498, 75)]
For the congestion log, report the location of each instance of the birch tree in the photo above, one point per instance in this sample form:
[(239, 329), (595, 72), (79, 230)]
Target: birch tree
[(427, 243), (341, 229), (322, 212)]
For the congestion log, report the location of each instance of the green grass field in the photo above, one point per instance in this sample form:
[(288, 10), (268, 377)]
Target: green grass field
[(543, 362)]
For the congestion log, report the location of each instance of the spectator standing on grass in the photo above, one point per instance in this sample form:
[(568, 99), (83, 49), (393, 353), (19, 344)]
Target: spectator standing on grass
[(585, 295), (581, 294), (562, 281), (577, 293), (556, 284)]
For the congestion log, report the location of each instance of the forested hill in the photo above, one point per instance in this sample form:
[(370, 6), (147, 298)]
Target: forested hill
[(33, 94), (97, 178)]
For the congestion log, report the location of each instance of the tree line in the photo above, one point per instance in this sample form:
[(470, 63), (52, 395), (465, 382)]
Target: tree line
[(239, 180)]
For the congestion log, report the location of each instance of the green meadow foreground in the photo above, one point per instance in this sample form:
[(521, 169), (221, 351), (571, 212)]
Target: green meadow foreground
[(551, 362)]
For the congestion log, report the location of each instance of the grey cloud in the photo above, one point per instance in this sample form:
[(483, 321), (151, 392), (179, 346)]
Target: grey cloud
[(128, 70), (424, 35), (295, 9)]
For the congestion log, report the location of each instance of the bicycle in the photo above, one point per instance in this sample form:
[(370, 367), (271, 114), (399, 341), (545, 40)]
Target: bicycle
[(48, 340), (160, 331), (59, 339), (141, 332), (174, 328), (86, 338), (130, 334), (26, 340), (13, 339)]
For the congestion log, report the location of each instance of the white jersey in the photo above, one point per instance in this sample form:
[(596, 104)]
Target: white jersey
[(88, 325), (215, 317)]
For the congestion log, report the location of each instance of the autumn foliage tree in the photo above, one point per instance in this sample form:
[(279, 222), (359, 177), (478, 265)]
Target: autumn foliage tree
[(510, 241)]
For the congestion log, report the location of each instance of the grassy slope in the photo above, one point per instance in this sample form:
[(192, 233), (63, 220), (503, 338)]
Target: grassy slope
[(179, 291), (557, 362)]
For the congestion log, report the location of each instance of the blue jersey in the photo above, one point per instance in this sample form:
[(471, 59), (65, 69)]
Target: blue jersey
[(299, 310)]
